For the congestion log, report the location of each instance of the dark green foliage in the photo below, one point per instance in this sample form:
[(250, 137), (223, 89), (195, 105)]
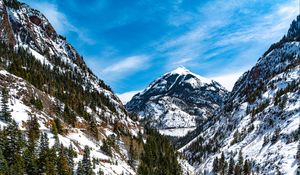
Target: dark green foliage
[(222, 164), (57, 124), (230, 170), (132, 154), (19, 156), (236, 137), (86, 164), (247, 168), (37, 103), (54, 130), (13, 143), (62, 162), (276, 135), (5, 114), (260, 108), (67, 86), (159, 156), (106, 148), (79, 170), (241, 159), (216, 165), (3, 164), (33, 129), (93, 128), (30, 153), (69, 116), (71, 154), (298, 158), (43, 153)]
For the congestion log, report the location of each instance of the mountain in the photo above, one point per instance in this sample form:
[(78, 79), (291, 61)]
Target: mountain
[(258, 127), (42, 76), (178, 99)]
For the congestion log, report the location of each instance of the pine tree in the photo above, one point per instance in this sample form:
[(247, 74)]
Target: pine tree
[(231, 166), (93, 128), (70, 156), (80, 170), (33, 128), (159, 156), (30, 159), (106, 148), (298, 155), (86, 162), (5, 111), (237, 170), (30, 156), (247, 168), (216, 165), (13, 146), (132, 154), (3, 164), (238, 167), (241, 159), (46, 163), (222, 164), (62, 162), (51, 159)]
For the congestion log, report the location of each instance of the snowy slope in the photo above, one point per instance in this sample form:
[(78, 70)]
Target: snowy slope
[(178, 99), (19, 93), (24, 27), (260, 117)]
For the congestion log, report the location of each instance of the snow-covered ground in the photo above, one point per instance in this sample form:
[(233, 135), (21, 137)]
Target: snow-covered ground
[(176, 132)]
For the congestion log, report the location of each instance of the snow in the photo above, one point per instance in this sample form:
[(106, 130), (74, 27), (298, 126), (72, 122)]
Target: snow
[(21, 113), (177, 99), (184, 71), (127, 96), (271, 155), (176, 132)]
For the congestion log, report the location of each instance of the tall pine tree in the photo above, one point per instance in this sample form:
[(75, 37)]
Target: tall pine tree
[(62, 162), (5, 111), (86, 162)]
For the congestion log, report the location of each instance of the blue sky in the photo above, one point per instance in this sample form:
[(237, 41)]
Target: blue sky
[(129, 43)]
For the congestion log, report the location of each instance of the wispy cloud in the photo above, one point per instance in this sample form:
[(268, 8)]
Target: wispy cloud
[(128, 65), (213, 35), (114, 71), (59, 20)]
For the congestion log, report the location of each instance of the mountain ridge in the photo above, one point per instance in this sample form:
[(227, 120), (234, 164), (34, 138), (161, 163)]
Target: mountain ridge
[(175, 99), (259, 122)]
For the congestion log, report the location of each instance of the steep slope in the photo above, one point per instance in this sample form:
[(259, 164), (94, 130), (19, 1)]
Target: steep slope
[(46, 77), (260, 117), (178, 99)]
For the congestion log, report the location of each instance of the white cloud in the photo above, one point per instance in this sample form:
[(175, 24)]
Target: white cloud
[(271, 26), (212, 31), (128, 65), (127, 96), (227, 80)]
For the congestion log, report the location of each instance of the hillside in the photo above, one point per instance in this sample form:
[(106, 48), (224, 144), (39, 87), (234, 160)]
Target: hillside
[(44, 78), (258, 128)]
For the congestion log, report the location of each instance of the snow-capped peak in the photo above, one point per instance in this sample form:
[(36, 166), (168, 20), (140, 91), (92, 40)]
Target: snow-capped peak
[(177, 99), (181, 70)]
